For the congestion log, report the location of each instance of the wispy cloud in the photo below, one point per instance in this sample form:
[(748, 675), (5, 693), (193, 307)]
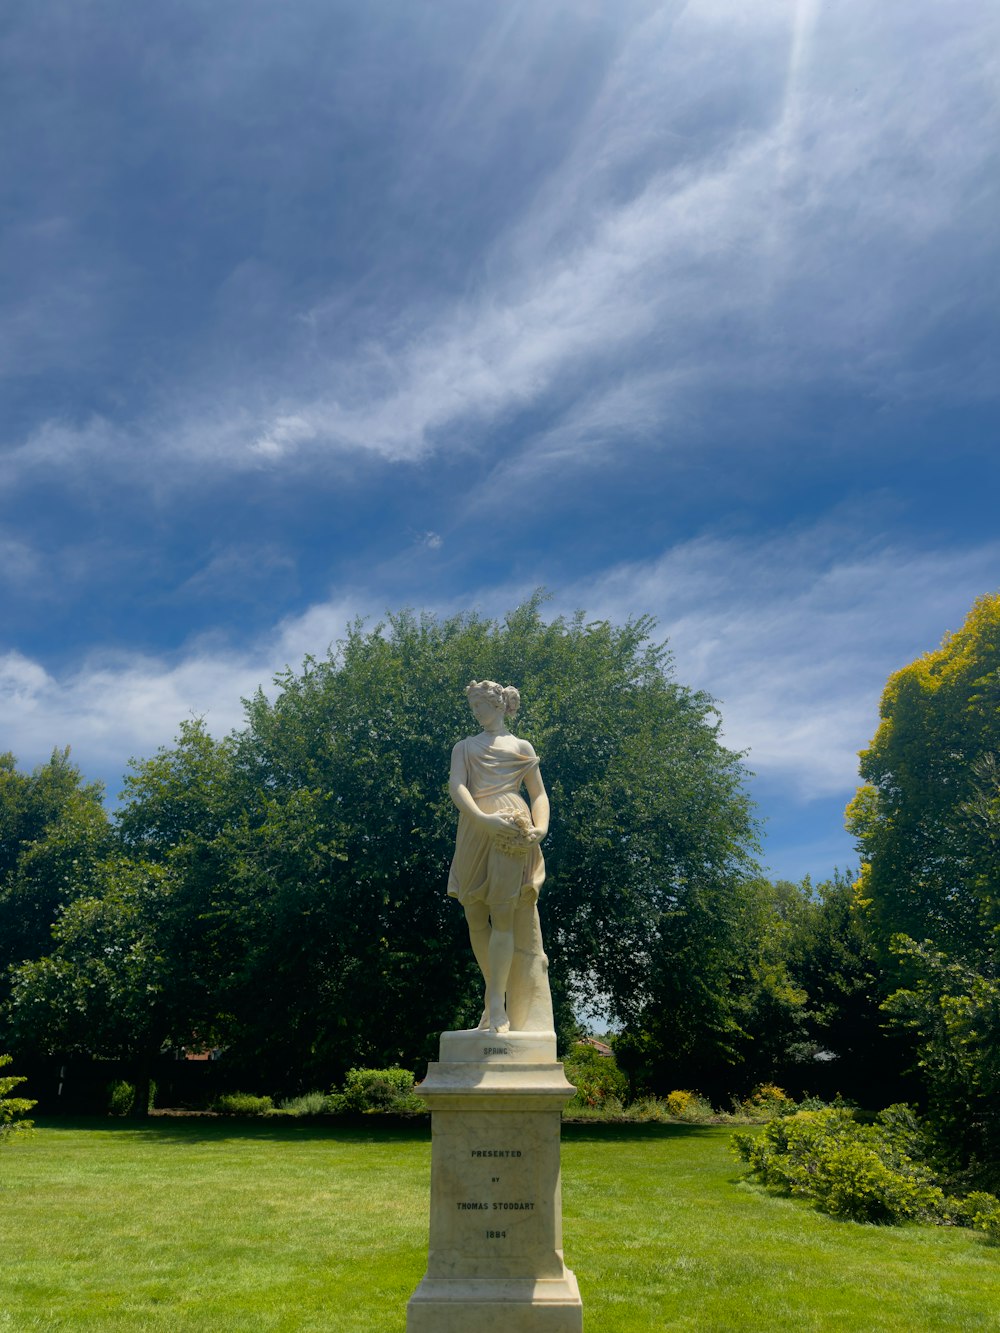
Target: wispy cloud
[(796, 634), (755, 201)]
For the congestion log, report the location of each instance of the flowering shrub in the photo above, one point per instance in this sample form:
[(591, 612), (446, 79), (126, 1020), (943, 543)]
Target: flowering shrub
[(765, 1102), (598, 1081), (685, 1105)]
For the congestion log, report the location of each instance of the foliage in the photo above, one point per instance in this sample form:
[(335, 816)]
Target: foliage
[(683, 1104), (928, 827), (122, 1097), (102, 989), (12, 1109), (387, 1090), (981, 1211), (846, 1044), (596, 1077), (242, 1103), (955, 1011)]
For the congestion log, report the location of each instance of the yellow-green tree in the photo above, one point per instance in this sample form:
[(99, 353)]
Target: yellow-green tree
[(928, 827), (928, 818)]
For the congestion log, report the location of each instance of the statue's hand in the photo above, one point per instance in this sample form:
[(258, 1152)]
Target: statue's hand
[(495, 823)]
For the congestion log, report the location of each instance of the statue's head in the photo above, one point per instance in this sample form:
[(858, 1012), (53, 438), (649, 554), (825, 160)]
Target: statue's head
[(487, 699)]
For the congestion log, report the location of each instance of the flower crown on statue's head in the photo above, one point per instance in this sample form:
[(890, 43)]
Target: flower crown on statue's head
[(508, 695)]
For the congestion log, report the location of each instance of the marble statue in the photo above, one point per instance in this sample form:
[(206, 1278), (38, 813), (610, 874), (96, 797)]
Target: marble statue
[(495, 1255), (498, 870)]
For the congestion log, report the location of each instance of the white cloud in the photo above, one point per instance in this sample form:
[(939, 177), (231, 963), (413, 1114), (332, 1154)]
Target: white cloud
[(115, 705)]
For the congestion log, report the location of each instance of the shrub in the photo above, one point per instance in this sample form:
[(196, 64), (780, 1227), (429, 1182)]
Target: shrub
[(242, 1103), (121, 1096), (373, 1090), (310, 1103), (862, 1172), (12, 1109), (982, 1211)]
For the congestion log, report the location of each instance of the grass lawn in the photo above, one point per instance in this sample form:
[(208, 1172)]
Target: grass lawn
[(212, 1225)]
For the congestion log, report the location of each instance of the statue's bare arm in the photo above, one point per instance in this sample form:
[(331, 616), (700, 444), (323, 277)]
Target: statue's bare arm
[(539, 797)]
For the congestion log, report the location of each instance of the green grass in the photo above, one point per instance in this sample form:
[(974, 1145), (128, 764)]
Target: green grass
[(208, 1225)]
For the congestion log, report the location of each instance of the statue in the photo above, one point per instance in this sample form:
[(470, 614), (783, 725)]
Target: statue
[(497, 870)]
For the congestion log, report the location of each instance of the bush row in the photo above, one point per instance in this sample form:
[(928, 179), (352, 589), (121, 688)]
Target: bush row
[(364, 1091), (876, 1172)]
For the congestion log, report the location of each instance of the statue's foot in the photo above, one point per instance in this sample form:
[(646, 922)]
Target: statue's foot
[(484, 1022), (499, 1021)]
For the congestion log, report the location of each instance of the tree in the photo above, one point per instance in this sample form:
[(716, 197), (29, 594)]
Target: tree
[(103, 989), (848, 1045), (53, 831), (928, 817), (12, 1109), (928, 827)]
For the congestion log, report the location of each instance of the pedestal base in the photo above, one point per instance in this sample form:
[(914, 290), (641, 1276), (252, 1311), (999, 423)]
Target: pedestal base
[(484, 1305), (495, 1263)]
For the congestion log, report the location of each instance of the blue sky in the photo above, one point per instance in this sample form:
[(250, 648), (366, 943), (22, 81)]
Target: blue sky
[(317, 309)]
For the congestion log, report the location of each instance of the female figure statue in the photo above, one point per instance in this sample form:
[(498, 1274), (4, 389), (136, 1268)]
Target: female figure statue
[(498, 870)]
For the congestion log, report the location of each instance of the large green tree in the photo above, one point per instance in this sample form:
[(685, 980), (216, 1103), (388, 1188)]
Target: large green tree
[(644, 907)]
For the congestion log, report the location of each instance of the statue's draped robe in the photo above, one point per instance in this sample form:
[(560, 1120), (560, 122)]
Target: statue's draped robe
[(479, 869)]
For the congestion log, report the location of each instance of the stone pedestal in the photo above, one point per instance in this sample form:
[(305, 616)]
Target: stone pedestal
[(495, 1263)]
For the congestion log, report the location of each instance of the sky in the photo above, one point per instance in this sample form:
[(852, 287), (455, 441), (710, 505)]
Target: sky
[(316, 310)]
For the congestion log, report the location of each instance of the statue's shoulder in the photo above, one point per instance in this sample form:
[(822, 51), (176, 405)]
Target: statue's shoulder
[(526, 749)]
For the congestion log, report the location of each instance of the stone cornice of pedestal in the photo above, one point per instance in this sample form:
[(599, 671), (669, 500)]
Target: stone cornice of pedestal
[(493, 1086)]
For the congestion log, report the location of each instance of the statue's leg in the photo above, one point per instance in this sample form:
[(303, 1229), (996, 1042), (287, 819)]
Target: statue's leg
[(501, 955), (477, 915)]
